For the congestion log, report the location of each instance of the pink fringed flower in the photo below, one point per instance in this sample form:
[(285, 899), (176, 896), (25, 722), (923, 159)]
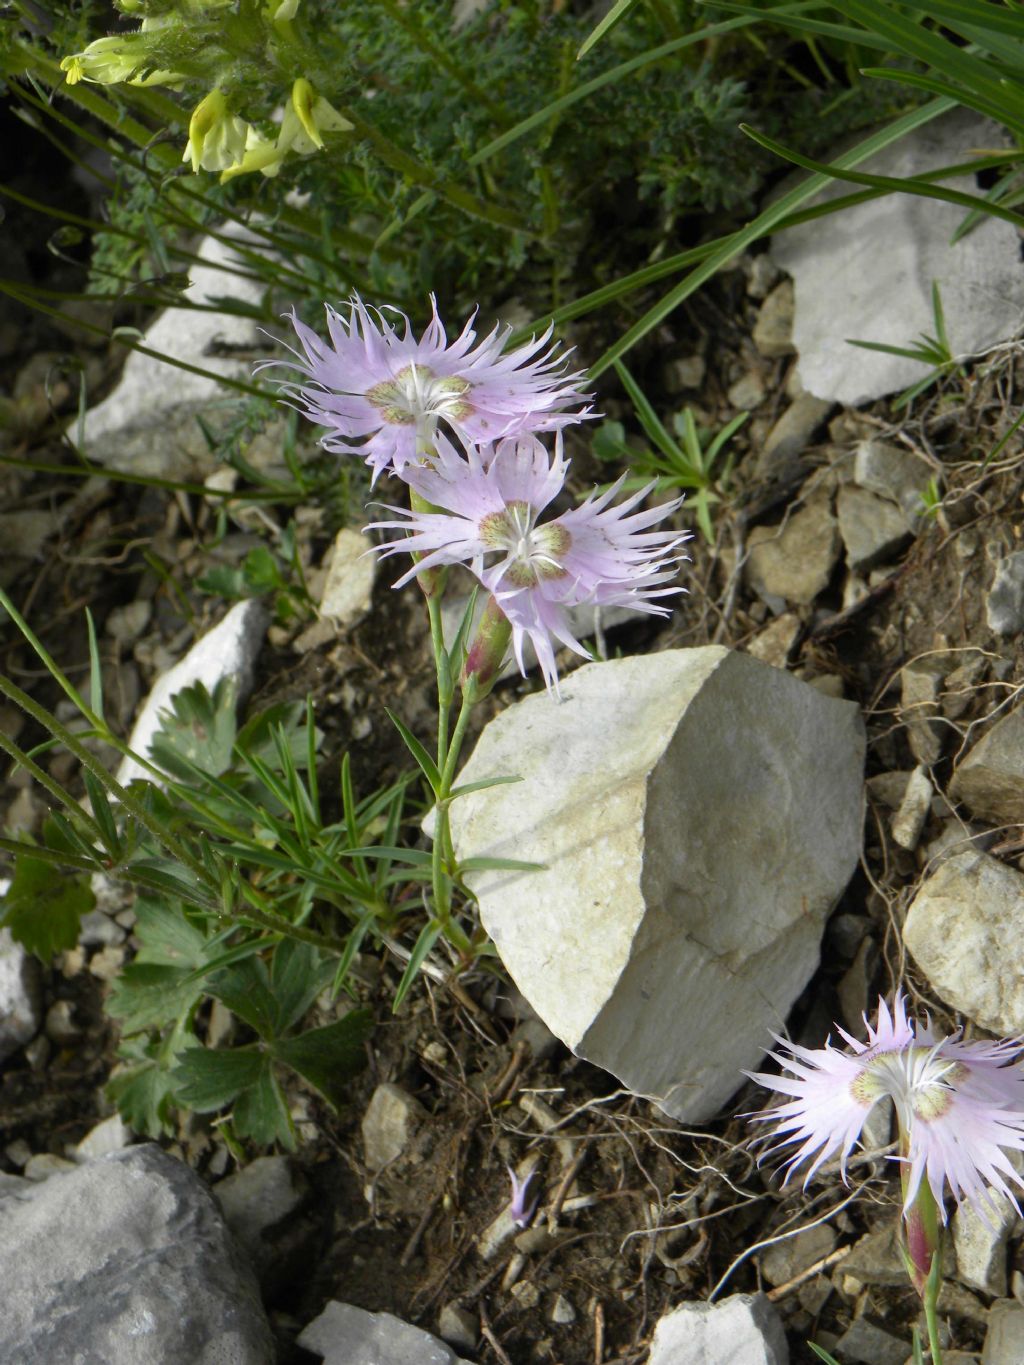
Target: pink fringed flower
[(960, 1106), (381, 394), (492, 500)]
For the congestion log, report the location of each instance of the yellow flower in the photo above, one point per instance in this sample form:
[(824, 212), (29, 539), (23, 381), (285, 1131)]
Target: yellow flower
[(260, 155), (107, 61), (307, 116), (217, 138)]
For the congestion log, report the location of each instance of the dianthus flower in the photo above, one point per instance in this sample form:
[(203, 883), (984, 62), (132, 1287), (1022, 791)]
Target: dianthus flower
[(381, 393), (491, 502), (959, 1106)]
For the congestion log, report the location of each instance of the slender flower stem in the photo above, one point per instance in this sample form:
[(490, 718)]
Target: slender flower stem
[(444, 694)]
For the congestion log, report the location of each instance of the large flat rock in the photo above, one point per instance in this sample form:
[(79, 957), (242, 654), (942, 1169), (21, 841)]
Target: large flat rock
[(697, 814)]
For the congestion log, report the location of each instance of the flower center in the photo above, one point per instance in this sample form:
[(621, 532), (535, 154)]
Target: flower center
[(919, 1081), (531, 552), (415, 393)]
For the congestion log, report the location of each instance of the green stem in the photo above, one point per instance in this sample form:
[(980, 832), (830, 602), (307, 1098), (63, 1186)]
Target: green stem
[(931, 1317), (440, 879), (444, 694)]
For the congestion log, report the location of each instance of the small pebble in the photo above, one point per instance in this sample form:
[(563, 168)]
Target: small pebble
[(562, 1311), (44, 1164), (18, 1153), (526, 1294), (60, 1024)]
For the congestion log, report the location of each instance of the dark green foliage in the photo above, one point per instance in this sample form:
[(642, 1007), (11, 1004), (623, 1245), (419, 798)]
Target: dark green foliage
[(44, 905)]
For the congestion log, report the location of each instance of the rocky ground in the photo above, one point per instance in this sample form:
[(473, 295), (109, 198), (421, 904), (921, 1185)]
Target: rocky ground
[(828, 564)]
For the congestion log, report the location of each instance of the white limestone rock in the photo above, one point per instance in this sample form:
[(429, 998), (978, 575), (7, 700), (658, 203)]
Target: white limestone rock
[(148, 423), (744, 1329), (869, 277), (963, 931), (229, 650), (697, 813)]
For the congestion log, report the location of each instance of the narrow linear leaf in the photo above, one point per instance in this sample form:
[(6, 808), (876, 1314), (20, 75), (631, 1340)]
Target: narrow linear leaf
[(482, 785), (426, 763), (429, 935)]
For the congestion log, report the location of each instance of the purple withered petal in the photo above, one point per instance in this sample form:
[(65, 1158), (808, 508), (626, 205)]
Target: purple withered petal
[(521, 1214)]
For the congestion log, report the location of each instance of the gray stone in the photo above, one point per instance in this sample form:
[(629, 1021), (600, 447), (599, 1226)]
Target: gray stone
[(125, 1261), (458, 1326), (877, 1258), (562, 1311), (98, 930), (894, 473), (229, 650), (773, 330), (260, 1204), (990, 780), (869, 1343), (960, 686), (1004, 606), (908, 822), (747, 392), (919, 708), (1004, 1340), (889, 788), (348, 590), (148, 423), (794, 561), (792, 433), (21, 999), (695, 814), (345, 1335), (127, 623), (873, 530), (980, 1245), (870, 276), (389, 1125), (963, 931), (762, 275), (854, 986), (685, 373), (773, 644), (785, 1260), (744, 1329)]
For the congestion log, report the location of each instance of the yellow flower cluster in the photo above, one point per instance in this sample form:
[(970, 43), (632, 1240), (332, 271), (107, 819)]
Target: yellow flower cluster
[(218, 138)]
